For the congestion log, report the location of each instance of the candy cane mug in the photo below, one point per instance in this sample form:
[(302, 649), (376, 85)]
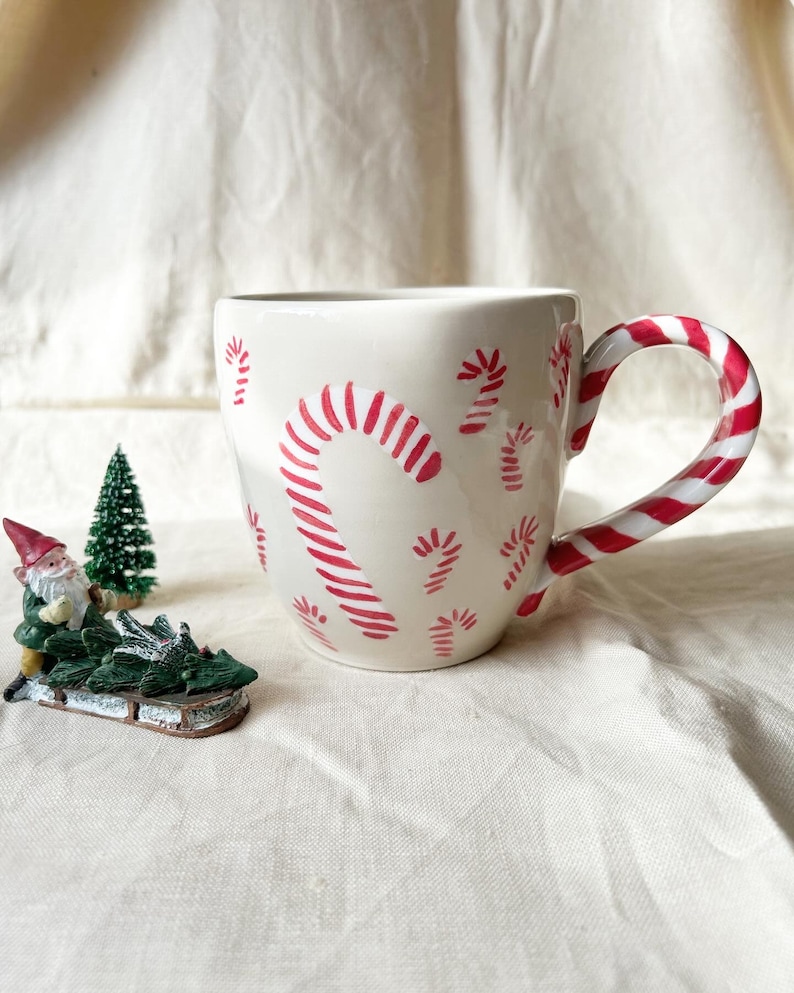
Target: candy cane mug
[(401, 456)]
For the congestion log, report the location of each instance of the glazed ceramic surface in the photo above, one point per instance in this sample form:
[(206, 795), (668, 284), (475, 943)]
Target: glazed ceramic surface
[(401, 457)]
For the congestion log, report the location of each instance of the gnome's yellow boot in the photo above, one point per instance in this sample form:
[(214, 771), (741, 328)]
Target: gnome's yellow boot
[(31, 663)]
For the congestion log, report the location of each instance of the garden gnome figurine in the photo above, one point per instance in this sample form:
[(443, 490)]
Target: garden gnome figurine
[(57, 596)]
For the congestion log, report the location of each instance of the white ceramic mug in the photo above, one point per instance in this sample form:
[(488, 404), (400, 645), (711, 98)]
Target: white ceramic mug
[(401, 456)]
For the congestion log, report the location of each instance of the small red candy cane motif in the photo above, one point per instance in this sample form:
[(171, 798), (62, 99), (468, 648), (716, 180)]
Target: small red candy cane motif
[(560, 362), (310, 617), (715, 466), (316, 420), (485, 362), (259, 535), (517, 547), (434, 540), (442, 633), (512, 476), (235, 353)]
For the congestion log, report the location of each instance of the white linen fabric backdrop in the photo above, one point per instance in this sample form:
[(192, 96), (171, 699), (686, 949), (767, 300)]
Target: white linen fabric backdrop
[(605, 801)]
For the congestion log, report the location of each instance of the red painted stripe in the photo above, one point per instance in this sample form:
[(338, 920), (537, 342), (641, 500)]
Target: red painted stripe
[(373, 625), (490, 387), (375, 636), (666, 510), (565, 558), (408, 429), (418, 451), (391, 420), (335, 560), (350, 406), (374, 615), (345, 580), (374, 412), (308, 502), (530, 604), (482, 359), (300, 480), (294, 458), (328, 410), (300, 442), (696, 335), (494, 359), (310, 422), (736, 366), (594, 383), (431, 468), (485, 402), (349, 595), (740, 421), (607, 539), (717, 470), (469, 428), (647, 333), (314, 521), (320, 540), (580, 436)]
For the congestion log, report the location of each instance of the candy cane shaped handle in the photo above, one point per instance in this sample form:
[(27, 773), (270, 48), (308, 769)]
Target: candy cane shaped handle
[(703, 478)]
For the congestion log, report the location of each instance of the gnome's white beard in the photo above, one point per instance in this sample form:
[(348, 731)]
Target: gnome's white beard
[(50, 587)]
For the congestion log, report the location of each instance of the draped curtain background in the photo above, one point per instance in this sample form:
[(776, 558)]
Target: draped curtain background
[(158, 154)]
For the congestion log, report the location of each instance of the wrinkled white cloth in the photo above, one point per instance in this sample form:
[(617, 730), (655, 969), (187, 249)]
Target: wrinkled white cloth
[(603, 802)]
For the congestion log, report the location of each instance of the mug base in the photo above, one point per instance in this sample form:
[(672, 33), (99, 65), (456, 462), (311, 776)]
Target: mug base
[(420, 663)]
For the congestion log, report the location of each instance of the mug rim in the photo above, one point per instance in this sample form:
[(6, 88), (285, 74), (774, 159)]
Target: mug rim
[(396, 296)]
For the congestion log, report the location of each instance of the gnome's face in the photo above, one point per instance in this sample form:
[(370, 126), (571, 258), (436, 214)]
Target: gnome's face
[(54, 575), (56, 564)]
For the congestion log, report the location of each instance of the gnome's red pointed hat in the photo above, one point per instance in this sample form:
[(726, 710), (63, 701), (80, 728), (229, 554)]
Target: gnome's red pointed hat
[(29, 543)]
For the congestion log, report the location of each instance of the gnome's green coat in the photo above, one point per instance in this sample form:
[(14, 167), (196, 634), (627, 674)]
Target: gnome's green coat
[(32, 632)]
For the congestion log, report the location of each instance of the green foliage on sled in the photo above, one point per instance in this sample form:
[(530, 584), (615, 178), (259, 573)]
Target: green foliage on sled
[(153, 660)]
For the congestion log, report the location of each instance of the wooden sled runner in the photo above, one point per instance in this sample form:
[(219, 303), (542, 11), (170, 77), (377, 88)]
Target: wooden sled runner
[(195, 716)]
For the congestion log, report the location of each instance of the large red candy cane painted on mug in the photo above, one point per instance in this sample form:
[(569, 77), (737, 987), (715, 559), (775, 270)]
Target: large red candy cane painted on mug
[(317, 420), (723, 456)]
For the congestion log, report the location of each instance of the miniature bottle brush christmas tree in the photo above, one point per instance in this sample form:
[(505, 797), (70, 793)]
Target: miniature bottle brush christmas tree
[(117, 549)]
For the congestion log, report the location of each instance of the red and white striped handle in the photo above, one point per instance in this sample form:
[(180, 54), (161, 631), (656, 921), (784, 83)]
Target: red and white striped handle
[(703, 478)]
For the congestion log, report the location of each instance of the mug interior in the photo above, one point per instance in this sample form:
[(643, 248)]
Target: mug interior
[(441, 294)]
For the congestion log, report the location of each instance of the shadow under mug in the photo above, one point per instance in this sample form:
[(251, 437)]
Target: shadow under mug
[(401, 456)]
